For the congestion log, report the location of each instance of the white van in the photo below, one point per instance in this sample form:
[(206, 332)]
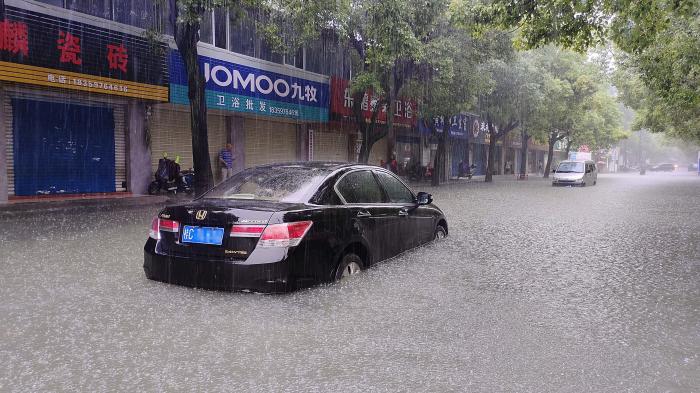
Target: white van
[(575, 173)]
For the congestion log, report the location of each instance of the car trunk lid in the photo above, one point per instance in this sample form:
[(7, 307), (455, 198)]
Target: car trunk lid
[(217, 216)]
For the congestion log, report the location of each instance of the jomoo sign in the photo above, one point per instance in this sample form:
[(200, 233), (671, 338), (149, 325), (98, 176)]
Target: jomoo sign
[(240, 88), (342, 101), (41, 49)]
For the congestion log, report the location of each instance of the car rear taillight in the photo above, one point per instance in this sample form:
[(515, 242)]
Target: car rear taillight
[(160, 224), (247, 230), (288, 234)]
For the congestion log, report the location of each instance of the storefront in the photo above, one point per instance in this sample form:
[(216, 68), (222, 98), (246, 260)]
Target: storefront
[(67, 90), (407, 146), (458, 149), (269, 112)]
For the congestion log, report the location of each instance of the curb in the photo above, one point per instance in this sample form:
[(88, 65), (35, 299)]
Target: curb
[(35, 207)]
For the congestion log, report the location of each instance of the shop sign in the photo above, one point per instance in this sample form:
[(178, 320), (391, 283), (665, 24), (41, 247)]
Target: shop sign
[(44, 50), (460, 126), (516, 141), (239, 88), (342, 101)]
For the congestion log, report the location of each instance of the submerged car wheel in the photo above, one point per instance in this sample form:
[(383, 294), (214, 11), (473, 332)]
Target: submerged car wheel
[(440, 233), (350, 265)]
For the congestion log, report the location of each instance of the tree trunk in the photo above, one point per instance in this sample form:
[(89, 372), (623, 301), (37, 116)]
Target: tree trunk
[(466, 156), (363, 157), (186, 38), (525, 138), (493, 138), (439, 164), (550, 156), (369, 132)]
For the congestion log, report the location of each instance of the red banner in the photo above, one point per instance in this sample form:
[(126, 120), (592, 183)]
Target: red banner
[(405, 110)]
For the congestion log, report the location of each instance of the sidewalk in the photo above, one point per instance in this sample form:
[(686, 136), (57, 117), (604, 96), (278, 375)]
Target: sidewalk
[(18, 207), (480, 180)]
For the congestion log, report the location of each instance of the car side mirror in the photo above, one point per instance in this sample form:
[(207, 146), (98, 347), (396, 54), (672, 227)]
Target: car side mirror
[(424, 198)]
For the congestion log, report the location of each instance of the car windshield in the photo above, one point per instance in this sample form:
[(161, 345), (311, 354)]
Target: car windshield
[(570, 167), (276, 183)]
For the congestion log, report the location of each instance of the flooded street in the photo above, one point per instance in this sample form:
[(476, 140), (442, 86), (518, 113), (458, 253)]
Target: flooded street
[(536, 289)]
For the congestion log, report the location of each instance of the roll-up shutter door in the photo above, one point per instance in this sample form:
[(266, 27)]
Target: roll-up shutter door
[(9, 146), (170, 133), (330, 146), (267, 142), (119, 133), (119, 148)]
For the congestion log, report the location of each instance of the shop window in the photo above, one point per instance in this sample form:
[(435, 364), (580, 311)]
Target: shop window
[(296, 59), (327, 56), (220, 19), (146, 14), (242, 34), (267, 53), (99, 8), (205, 29)]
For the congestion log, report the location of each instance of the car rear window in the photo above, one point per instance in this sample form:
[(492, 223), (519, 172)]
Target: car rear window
[(279, 183)]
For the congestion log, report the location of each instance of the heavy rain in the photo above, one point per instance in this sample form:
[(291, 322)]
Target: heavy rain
[(350, 195)]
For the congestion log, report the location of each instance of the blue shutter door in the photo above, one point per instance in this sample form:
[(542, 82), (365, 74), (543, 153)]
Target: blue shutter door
[(61, 148)]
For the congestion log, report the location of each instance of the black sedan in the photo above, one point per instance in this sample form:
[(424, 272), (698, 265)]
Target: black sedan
[(280, 227)]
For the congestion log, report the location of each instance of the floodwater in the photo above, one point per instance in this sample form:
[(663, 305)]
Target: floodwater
[(536, 289)]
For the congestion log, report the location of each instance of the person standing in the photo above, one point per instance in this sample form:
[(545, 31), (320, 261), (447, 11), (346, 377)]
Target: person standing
[(393, 164), (226, 161)]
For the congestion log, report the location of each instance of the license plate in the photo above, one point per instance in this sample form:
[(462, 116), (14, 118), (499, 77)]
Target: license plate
[(202, 235)]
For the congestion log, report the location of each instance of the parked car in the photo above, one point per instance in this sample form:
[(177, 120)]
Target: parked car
[(666, 167), (692, 167), (276, 228), (575, 173)]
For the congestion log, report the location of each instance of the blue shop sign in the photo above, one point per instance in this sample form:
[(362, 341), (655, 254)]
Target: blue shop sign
[(460, 126), (240, 88)]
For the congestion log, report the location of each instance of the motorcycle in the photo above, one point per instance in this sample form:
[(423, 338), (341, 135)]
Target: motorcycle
[(169, 178)]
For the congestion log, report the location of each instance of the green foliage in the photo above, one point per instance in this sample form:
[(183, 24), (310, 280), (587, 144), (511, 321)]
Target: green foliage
[(661, 39), (577, 102)]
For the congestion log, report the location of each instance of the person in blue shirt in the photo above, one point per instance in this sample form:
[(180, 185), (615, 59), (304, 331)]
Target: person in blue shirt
[(226, 161)]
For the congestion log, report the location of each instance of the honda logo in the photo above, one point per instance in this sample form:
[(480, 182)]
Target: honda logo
[(201, 214)]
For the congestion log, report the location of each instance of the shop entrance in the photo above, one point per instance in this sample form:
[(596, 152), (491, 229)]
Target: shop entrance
[(62, 148)]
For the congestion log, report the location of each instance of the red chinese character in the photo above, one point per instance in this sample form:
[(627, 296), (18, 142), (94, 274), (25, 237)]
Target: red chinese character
[(69, 45), (14, 37), (117, 57)]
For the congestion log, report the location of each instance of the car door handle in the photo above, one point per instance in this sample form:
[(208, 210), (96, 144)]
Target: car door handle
[(403, 212), (363, 213)]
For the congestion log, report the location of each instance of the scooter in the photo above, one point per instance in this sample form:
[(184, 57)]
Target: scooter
[(169, 178)]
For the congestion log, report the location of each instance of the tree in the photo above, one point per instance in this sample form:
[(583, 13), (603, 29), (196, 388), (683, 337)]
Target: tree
[(660, 38), (499, 103), (298, 19), (389, 38), (446, 84)]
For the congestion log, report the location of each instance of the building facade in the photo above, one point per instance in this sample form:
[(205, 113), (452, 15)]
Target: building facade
[(90, 100)]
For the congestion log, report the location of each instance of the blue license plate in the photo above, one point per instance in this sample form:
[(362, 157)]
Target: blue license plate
[(202, 235)]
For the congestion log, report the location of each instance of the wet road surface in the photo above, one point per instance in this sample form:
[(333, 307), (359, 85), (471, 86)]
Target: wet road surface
[(536, 289)]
